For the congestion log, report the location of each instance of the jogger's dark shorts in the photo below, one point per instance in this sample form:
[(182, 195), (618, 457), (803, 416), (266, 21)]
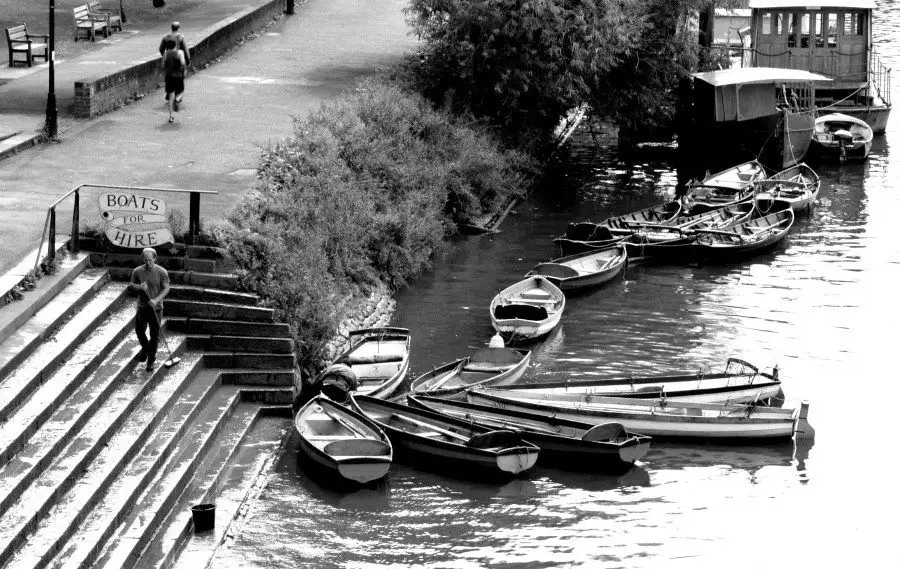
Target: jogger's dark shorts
[(174, 85)]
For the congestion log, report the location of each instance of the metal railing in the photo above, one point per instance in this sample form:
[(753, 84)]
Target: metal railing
[(73, 244)]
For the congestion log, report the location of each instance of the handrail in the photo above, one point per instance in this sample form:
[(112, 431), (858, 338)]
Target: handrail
[(74, 238)]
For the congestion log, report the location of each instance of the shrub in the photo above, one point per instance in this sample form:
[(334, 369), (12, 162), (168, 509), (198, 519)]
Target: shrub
[(362, 194)]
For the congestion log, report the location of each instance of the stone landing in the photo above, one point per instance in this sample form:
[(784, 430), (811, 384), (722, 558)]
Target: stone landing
[(101, 460)]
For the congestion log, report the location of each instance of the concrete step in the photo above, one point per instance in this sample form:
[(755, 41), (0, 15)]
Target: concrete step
[(269, 395), (219, 432), (23, 341), (225, 281), (82, 476), (126, 518), (248, 360), (78, 347), (218, 310), (131, 261), (17, 312), (249, 344), (229, 488), (206, 294), (258, 377), (115, 387), (192, 325)]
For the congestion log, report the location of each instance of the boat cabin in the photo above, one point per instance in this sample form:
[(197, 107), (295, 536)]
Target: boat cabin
[(831, 37)]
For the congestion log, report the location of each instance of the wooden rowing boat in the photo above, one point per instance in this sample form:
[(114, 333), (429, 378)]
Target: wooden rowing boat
[(797, 185), (756, 235), (728, 187), (379, 357), (589, 236), (342, 442), (740, 382), (563, 443), (527, 310), (457, 447), (584, 270), (488, 366), (655, 417)]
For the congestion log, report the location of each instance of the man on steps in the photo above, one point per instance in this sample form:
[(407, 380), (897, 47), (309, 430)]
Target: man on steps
[(152, 285)]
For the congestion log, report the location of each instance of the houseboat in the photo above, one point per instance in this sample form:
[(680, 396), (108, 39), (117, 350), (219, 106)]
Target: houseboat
[(831, 38), (761, 113)]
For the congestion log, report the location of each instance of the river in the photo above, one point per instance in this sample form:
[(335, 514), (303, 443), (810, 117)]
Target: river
[(823, 308)]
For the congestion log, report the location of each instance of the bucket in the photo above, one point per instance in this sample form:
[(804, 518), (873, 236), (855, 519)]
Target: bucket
[(204, 517)]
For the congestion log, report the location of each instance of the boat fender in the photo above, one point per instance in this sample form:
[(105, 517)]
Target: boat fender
[(496, 341)]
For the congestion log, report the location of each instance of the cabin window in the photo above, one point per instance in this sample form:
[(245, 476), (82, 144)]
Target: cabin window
[(804, 30), (767, 23), (848, 24), (792, 31), (820, 39), (832, 29), (858, 23), (779, 24)]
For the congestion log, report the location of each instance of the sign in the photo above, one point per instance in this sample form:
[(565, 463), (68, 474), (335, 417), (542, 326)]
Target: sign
[(134, 221)]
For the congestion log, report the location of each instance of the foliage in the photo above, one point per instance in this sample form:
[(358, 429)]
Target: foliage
[(363, 193), (523, 63)]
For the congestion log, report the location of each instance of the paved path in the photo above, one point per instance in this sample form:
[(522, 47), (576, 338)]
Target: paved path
[(231, 109)]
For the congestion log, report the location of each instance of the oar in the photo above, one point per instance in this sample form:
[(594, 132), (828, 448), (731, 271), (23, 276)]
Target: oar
[(718, 232), (430, 427), (450, 374), (341, 421)]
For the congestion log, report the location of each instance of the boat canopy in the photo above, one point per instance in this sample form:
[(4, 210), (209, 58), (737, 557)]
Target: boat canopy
[(757, 75), (813, 4)]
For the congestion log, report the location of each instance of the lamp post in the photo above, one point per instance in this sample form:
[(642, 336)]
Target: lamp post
[(51, 125)]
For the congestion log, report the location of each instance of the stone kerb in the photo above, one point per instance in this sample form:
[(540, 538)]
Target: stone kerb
[(102, 92)]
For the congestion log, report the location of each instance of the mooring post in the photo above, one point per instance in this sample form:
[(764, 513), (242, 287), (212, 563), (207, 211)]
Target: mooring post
[(74, 243), (51, 241)]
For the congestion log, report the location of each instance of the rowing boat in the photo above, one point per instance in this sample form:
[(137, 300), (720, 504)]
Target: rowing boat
[(342, 442), (457, 447), (527, 310), (739, 382), (797, 185), (756, 235), (656, 417), (589, 236), (379, 357), (728, 187), (842, 136), (563, 443), (583, 270), (488, 366)]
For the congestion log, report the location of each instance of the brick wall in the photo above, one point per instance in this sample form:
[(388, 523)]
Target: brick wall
[(104, 91)]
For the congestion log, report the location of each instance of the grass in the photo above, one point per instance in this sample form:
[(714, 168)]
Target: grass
[(35, 14)]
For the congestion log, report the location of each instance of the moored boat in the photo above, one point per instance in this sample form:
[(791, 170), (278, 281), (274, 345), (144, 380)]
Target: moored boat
[(583, 270), (726, 188), (586, 236), (488, 366), (842, 137), (739, 382), (527, 310), (756, 235), (342, 442), (797, 185), (379, 357), (563, 442), (655, 417), (432, 440)]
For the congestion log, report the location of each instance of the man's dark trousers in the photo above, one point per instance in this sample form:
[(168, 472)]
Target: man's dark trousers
[(144, 318)]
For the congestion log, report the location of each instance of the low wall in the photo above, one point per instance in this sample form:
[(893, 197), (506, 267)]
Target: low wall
[(103, 92)]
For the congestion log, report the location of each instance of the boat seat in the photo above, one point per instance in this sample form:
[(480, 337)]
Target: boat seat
[(535, 294), (357, 447), (386, 353)]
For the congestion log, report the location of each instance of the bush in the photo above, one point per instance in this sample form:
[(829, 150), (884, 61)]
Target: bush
[(362, 194)]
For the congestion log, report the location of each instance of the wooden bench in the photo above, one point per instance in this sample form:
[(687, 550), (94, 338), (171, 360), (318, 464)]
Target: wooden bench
[(112, 20), (20, 41), (90, 23)]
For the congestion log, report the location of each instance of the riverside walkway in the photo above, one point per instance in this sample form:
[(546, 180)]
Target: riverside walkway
[(231, 109)]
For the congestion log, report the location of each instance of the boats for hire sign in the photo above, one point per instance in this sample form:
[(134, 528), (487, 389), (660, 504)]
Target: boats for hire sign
[(134, 221)]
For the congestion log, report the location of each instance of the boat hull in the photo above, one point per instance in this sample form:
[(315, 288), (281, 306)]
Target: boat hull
[(874, 116), (470, 375), (379, 357), (527, 310), (610, 263)]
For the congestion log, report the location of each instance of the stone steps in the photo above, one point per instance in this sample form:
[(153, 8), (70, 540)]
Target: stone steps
[(130, 261), (228, 487), (125, 520), (115, 386), (195, 278), (194, 325), (83, 341), (18, 312), (82, 477), (207, 294), (249, 360), (244, 344), (218, 311), (204, 453), (258, 377), (22, 341)]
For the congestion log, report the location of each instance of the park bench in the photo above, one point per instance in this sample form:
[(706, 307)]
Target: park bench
[(90, 23), (112, 20), (20, 41)]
